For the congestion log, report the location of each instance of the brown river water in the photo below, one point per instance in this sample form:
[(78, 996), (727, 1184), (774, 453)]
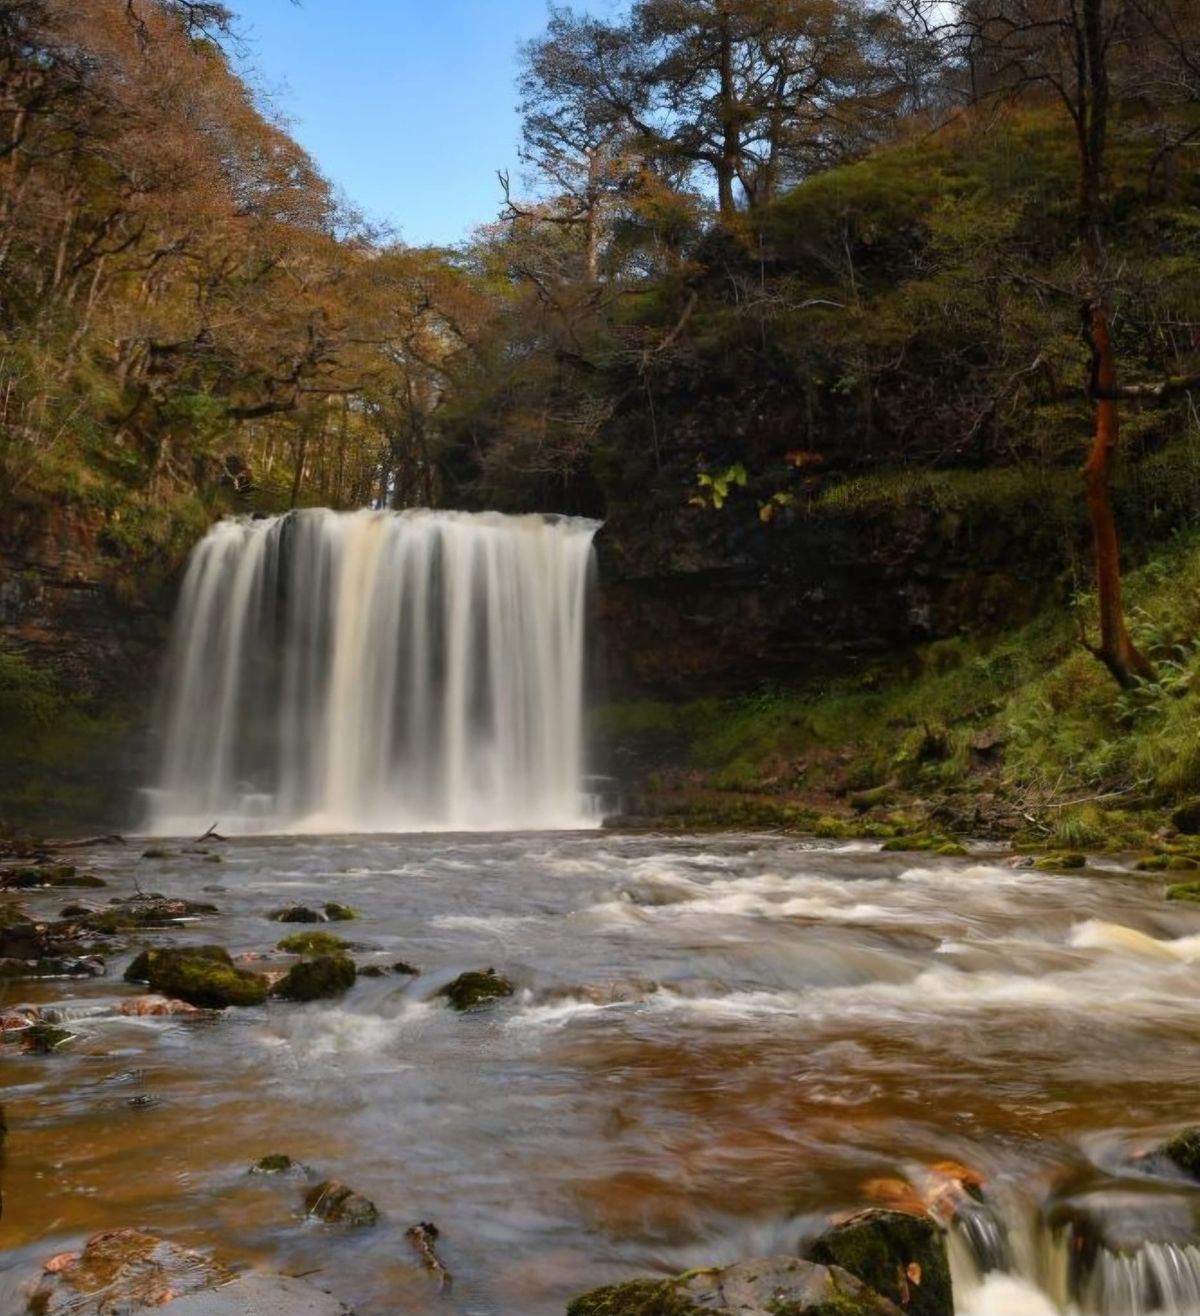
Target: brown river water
[(715, 1043)]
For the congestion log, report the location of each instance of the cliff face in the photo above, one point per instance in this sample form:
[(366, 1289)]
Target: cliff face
[(83, 637), (696, 601)]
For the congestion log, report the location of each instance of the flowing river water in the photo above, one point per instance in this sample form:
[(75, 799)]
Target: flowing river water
[(715, 1042)]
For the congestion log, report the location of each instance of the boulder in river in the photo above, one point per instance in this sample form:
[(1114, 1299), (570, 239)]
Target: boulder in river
[(200, 975), (471, 990), (337, 1204), (32, 876), (898, 1254), (122, 1270), (317, 979), (260, 1295), (336, 913), (295, 914), (312, 943), (776, 1286)]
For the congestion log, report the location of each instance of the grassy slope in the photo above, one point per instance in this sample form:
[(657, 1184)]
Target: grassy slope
[(1024, 733)]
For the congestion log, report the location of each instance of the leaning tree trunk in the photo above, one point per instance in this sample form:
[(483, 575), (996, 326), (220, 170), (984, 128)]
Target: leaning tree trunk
[(1116, 650)]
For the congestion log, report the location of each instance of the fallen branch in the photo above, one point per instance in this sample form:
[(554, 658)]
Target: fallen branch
[(423, 1237), (111, 839), (211, 835)]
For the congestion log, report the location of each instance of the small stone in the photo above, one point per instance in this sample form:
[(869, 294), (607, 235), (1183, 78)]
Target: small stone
[(276, 1163), (336, 913), (336, 1204)]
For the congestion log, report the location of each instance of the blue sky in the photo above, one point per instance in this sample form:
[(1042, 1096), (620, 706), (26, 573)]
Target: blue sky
[(407, 105)]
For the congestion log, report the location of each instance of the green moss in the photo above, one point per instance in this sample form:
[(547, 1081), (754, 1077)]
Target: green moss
[(638, 1297), (1163, 863), (1061, 862), (336, 913), (470, 991), (1186, 891), (312, 943), (317, 979), (204, 976)]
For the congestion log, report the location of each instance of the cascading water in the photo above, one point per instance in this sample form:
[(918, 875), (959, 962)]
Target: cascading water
[(377, 671)]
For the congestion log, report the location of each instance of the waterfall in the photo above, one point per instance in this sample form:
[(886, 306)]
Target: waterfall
[(377, 671)]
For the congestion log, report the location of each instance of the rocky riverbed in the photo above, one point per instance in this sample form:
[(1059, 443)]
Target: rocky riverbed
[(488, 1075)]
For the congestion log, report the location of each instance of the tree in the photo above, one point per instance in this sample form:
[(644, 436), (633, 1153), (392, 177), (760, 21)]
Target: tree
[(1096, 58)]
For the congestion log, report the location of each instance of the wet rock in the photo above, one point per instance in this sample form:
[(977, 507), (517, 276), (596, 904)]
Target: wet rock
[(200, 975), (157, 852), (1182, 1150), (141, 1007), (276, 1163), (84, 966), (261, 1295), (1186, 818), (1095, 1218), (776, 1286), (33, 877), (312, 943), (917, 841), (622, 991), (336, 1204), (122, 1271), (1186, 891), (3, 1127), (1063, 861), (900, 1255), (336, 913), (471, 990), (295, 914), (403, 967), (44, 1039), (317, 979)]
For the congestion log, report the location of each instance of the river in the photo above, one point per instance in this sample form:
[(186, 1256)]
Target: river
[(715, 1042)]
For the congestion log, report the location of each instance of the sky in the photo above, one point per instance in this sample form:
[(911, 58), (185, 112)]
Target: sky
[(408, 106)]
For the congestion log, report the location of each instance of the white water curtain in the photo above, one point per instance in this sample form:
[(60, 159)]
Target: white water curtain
[(377, 671)]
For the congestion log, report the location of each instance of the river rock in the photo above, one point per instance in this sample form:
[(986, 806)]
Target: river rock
[(1182, 1150), (260, 1295), (776, 1286), (295, 914), (900, 1255), (31, 877), (200, 975), (336, 913), (276, 1163), (317, 979), (471, 990), (122, 1272), (312, 943), (142, 1007), (336, 1204)]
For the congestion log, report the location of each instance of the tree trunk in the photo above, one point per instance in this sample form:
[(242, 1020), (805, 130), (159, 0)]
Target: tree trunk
[(1116, 650), (731, 145)]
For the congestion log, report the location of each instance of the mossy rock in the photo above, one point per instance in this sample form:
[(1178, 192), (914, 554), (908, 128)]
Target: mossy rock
[(1183, 1151), (916, 842), (336, 913), (48, 875), (470, 991), (200, 975), (336, 1204), (1187, 891), (157, 852), (312, 943), (1062, 861), (317, 979), (1167, 863), (295, 914), (45, 1039), (829, 828), (952, 850), (773, 1286), (899, 1255), (276, 1163)]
